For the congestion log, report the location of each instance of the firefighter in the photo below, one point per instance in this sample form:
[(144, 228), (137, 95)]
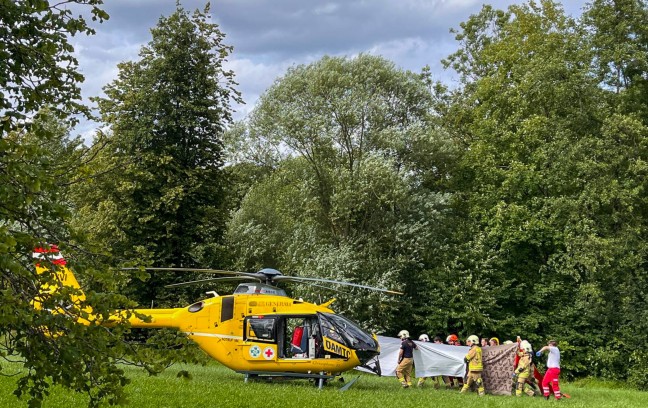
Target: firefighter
[(475, 365), (424, 338), (524, 370), (405, 359), (452, 382)]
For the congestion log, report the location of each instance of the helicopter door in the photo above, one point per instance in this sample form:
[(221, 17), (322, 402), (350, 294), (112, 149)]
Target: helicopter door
[(261, 328), (334, 343), (260, 337), (298, 336)]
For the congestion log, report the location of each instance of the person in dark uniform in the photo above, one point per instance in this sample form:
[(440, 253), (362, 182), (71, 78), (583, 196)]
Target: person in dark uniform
[(405, 359)]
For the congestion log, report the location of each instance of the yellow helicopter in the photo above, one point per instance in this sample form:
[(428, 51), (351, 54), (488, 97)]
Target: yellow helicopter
[(258, 330)]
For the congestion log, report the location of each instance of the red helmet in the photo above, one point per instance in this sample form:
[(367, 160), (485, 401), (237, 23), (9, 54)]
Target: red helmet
[(452, 337)]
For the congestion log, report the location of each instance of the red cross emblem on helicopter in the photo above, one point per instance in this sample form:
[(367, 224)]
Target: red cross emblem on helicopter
[(268, 353)]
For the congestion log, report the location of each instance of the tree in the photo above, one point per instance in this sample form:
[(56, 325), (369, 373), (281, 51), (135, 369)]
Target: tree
[(36, 161), (161, 191), (348, 197), (39, 69), (619, 40), (551, 180), (526, 95), (53, 349)]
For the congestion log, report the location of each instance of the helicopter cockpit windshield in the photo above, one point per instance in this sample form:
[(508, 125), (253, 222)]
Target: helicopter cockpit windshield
[(259, 288), (346, 332)]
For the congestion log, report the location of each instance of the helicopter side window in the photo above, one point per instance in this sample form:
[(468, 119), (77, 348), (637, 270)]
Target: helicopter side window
[(260, 329), (259, 289), (243, 288), (227, 309)]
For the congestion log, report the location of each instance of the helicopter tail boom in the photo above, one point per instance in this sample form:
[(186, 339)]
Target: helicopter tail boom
[(62, 280), (156, 318)]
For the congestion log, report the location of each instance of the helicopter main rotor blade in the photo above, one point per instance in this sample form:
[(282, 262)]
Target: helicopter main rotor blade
[(202, 270), (229, 278), (323, 287), (300, 278)]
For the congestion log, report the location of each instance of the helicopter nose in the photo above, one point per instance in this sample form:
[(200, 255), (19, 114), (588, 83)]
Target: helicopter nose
[(368, 350), (366, 355)]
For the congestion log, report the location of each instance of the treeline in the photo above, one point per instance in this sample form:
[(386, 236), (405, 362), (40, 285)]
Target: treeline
[(514, 203), (511, 203)]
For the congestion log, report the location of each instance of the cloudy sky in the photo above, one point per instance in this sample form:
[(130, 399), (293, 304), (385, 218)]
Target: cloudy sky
[(271, 35)]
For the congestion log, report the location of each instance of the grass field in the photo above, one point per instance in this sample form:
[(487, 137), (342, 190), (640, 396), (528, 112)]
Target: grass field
[(217, 386)]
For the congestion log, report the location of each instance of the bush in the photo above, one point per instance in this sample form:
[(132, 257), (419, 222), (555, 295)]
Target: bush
[(638, 371)]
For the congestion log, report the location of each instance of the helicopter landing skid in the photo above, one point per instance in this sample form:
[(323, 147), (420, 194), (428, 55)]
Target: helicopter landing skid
[(270, 375), (349, 384)]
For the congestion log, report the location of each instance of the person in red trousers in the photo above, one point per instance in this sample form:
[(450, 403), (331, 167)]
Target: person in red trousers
[(553, 369)]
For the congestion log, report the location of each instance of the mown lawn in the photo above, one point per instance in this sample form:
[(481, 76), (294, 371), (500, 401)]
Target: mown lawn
[(217, 386)]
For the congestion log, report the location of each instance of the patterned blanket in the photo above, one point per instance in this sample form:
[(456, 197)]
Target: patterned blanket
[(498, 368)]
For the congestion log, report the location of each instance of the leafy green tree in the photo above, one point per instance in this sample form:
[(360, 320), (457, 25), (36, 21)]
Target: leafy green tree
[(52, 349), (38, 67), (160, 184), (551, 180), (347, 197), (619, 40), (526, 95), (37, 160)]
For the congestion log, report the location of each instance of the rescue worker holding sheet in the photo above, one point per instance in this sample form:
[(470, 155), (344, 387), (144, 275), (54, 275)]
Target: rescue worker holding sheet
[(524, 370), (475, 365)]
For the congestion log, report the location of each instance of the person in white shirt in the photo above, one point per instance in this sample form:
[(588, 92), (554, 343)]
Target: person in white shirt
[(553, 369)]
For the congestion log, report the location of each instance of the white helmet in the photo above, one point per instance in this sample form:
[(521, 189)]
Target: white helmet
[(526, 346), (473, 339), (403, 334), (424, 337)]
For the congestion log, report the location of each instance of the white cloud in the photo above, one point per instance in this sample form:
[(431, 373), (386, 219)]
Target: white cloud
[(270, 36), (255, 77), (328, 8)]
